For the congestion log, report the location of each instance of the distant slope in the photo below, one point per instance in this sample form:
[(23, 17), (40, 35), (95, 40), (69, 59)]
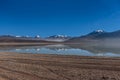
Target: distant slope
[(58, 38), (96, 36), (8, 38)]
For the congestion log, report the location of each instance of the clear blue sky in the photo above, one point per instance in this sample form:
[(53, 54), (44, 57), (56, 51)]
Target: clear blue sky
[(49, 17)]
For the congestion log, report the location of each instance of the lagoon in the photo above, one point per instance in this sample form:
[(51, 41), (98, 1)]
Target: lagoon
[(62, 49)]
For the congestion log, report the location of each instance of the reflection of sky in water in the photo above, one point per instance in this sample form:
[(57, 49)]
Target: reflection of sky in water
[(51, 51), (108, 54), (58, 50)]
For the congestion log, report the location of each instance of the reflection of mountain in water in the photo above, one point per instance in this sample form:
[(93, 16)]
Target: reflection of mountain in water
[(58, 47), (90, 48), (95, 49)]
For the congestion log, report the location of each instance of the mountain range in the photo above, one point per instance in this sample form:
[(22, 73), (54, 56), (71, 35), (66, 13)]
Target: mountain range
[(95, 36)]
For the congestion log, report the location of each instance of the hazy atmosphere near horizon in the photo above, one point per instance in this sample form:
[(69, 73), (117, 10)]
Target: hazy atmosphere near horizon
[(49, 17), (59, 39)]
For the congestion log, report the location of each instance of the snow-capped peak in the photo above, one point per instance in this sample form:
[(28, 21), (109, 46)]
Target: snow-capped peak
[(58, 36), (17, 36), (99, 31), (37, 36), (26, 36)]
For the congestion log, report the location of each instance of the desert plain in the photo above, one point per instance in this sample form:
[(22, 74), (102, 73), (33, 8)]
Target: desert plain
[(22, 66)]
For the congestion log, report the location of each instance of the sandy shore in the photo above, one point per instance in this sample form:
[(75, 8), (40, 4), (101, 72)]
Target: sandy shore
[(14, 66)]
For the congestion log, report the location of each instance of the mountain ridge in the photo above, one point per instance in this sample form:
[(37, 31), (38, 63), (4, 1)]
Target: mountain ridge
[(96, 35)]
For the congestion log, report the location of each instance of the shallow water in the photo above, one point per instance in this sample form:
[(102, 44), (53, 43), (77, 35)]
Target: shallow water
[(66, 50)]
